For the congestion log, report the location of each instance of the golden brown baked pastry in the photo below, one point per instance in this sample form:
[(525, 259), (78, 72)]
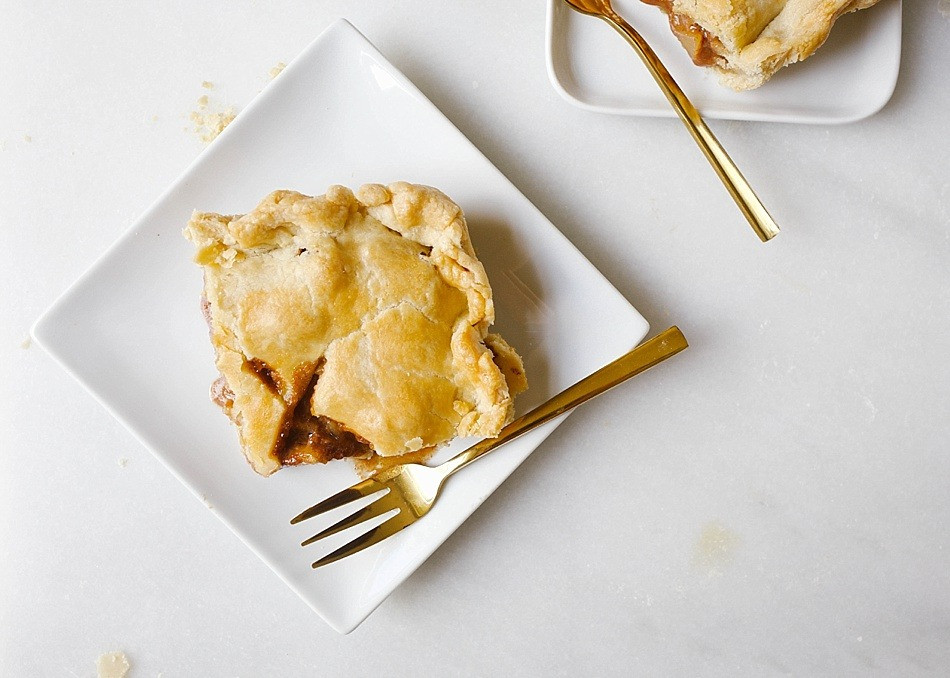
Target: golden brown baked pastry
[(352, 325), (747, 41)]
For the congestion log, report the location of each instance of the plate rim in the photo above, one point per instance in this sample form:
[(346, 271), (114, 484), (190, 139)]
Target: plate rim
[(873, 106), (45, 328)]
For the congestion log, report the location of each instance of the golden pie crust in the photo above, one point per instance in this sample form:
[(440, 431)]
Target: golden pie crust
[(747, 41), (352, 325)]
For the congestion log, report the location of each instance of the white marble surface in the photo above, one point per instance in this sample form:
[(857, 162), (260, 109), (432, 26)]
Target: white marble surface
[(784, 510)]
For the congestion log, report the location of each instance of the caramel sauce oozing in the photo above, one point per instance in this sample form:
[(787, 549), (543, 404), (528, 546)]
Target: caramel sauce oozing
[(699, 44), (306, 438), (266, 374), (695, 39), (317, 439)]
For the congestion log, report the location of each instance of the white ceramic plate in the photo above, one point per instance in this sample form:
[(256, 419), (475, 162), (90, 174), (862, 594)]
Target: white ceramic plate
[(850, 77), (131, 332)]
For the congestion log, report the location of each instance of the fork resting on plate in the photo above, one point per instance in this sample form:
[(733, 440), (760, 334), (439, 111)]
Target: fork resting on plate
[(748, 202), (412, 489)]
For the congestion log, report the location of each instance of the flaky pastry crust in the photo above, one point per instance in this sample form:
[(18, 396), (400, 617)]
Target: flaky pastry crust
[(747, 41), (367, 312)]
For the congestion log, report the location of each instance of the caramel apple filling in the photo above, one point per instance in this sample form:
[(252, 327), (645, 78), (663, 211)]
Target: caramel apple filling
[(696, 40), (304, 438), (309, 439)]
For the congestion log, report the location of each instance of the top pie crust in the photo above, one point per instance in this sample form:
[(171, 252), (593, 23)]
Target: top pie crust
[(368, 313), (747, 41)]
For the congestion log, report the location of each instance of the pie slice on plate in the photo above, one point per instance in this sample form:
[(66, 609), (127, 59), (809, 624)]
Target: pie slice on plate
[(352, 326), (747, 41)]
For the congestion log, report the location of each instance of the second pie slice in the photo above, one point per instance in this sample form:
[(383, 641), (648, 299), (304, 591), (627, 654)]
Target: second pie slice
[(747, 41), (352, 325)]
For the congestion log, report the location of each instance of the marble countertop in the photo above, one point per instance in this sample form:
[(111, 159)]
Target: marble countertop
[(783, 511)]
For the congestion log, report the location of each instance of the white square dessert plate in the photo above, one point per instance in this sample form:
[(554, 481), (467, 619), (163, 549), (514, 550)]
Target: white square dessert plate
[(131, 331), (852, 76)]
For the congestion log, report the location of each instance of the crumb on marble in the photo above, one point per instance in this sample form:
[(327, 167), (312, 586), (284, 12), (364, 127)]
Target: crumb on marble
[(27, 138), (26, 343), (123, 462), (112, 665), (207, 84), (715, 548)]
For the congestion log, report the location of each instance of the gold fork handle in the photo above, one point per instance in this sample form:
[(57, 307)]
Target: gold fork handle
[(643, 357), (753, 209)]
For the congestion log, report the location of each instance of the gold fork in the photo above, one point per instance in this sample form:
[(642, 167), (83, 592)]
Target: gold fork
[(748, 202), (413, 488)]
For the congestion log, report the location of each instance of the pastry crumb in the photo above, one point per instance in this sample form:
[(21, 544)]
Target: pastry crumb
[(112, 665), (208, 125), (26, 343), (276, 70), (209, 119), (123, 462), (27, 138), (379, 466)]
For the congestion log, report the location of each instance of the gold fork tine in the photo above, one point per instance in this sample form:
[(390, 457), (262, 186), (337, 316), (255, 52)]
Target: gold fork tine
[(358, 491), (364, 541), (383, 504)]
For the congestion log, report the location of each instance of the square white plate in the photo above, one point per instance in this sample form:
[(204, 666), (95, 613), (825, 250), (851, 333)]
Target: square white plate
[(130, 329), (850, 77)]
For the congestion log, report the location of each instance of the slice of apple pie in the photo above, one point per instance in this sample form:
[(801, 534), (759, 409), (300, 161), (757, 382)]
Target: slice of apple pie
[(352, 325), (747, 41)]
